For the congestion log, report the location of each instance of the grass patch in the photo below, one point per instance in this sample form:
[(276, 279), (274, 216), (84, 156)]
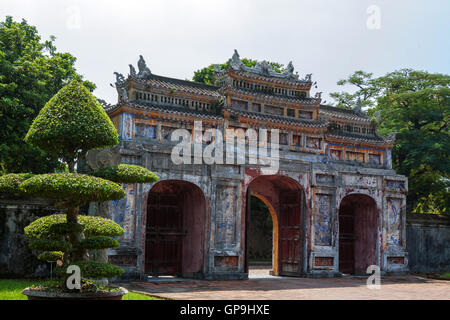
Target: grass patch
[(446, 276), (11, 289)]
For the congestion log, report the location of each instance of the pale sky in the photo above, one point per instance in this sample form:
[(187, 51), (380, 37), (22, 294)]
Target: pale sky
[(327, 38)]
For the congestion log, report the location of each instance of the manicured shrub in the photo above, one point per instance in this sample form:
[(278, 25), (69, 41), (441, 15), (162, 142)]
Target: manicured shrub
[(99, 243), (51, 256), (43, 227), (98, 226), (92, 270), (10, 183), (66, 228), (126, 173), (49, 245), (76, 189), (71, 123)]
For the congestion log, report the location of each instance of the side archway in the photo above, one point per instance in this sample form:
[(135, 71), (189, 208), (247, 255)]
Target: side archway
[(175, 229), (358, 233)]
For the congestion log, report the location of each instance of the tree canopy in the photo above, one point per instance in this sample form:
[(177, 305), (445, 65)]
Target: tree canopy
[(416, 105), (31, 72), (71, 123)]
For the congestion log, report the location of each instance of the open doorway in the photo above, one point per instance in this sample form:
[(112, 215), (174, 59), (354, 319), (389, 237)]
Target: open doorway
[(260, 238), (284, 199)]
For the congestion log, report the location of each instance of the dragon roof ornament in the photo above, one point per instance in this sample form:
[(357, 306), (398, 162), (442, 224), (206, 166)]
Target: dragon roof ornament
[(120, 84), (262, 68)]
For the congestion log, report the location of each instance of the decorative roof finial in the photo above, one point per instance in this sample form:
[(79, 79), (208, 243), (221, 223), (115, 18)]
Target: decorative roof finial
[(144, 71), (132, 71), (377, 116), (119, 77), (290, 68), (358, 106), (235, 62)]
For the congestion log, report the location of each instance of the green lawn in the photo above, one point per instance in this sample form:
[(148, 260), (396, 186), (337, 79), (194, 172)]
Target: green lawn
[(11, 290)]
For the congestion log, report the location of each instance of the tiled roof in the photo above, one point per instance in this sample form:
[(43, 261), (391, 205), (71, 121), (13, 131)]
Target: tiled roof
[(182, 85), (312, 101), (165, 108), (302, 122), (297, 82), (357, 137), (325, 110)]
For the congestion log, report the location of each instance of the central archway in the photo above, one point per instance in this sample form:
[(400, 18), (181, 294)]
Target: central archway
[(284, 199), (176, 213)]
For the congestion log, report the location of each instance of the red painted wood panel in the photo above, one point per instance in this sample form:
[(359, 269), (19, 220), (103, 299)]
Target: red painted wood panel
[(289, 233), (164, 238)]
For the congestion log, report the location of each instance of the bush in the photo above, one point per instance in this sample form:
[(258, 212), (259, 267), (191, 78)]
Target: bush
[(92, 270), (10, 183), (66, 228), (72, 122), (93, 227), (98, 226), (77, 189), (99, 243), (51, 256), (126, 173), (49, 245), (41, 228)]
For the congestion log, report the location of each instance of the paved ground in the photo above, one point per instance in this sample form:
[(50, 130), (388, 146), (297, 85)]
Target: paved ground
[(261, 286)]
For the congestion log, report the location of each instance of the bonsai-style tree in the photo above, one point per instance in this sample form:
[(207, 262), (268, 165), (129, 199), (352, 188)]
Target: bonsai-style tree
[(71, 123)]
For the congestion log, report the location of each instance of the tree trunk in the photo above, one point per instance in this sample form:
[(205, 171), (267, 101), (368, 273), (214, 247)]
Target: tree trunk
[(75, 237)]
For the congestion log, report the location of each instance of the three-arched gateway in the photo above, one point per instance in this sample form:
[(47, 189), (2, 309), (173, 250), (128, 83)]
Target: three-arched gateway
[(335, 202), (358, 231), (285, 200), (175, 229)]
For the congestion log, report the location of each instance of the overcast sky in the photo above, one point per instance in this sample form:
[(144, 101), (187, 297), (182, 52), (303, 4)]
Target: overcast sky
[(327, 38)]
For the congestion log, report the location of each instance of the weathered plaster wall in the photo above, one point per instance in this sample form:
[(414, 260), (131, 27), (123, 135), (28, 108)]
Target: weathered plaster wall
[(428, 242), (324, 183), (16, 260)]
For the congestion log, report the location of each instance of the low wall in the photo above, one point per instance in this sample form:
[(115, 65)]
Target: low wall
[(428, 242), (16, 259)]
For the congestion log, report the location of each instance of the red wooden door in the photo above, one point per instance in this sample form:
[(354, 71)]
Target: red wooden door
[(346, 240), (290, 233), (164, 238)]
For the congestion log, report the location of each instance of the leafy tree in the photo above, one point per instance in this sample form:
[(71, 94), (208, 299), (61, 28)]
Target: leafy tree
[(31, 72), (206, 75), (416, 105), (366, 91)]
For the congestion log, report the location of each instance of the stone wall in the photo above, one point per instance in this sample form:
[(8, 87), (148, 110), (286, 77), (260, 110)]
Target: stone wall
[(428, 242), (16, 259)]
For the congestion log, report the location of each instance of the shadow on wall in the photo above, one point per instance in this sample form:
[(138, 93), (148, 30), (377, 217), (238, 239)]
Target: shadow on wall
[(16, 259)]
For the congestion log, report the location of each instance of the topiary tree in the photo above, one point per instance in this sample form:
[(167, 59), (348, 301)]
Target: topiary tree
[(71, 123)]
